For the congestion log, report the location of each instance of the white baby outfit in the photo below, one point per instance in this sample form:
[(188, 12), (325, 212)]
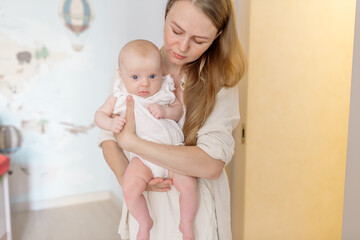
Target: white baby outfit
[(212, 221), (164, 131)]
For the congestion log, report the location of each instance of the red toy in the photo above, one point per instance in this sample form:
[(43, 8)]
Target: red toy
[(4, 164)]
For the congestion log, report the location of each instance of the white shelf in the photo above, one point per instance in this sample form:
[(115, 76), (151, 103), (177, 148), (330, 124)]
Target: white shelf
[(5, 220)]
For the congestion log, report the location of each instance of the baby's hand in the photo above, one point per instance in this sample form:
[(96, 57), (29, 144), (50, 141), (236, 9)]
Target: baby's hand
[(156, 110), (117, 123)]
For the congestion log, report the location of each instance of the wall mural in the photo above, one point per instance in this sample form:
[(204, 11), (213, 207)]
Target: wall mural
[(56, 65), (42, 65), (77, 16)]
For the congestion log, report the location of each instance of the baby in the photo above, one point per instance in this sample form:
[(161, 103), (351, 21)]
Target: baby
[(157, 111)]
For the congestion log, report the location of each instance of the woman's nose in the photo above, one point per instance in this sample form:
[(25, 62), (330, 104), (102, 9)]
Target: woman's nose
[(184, 44)]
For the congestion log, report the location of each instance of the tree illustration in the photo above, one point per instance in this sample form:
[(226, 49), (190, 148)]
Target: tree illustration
[(44, 52)]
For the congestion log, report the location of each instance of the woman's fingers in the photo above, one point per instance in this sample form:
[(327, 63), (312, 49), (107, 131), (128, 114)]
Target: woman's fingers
[(130, 118), (125, 137), (159, 185), (156, 181)]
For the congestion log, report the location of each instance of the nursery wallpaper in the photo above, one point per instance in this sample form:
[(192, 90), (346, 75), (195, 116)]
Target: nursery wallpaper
[(56, 63)]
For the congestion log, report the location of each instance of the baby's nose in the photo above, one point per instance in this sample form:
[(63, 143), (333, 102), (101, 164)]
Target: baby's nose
[(145, 82)]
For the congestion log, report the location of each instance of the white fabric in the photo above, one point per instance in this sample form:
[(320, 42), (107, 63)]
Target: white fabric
[(215, 137), (165, 131), (157, 171), (212, 220), (165, 211)]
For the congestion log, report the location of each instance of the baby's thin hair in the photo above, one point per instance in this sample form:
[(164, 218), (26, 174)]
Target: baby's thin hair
[(139, 47)]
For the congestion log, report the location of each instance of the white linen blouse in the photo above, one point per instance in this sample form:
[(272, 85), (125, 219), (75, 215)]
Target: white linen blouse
[(212, 221)]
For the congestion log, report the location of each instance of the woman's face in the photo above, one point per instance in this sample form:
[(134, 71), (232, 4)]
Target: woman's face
[(188, 33)]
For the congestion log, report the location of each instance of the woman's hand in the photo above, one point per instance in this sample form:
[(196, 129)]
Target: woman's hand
[(127, 137), (159, 185)]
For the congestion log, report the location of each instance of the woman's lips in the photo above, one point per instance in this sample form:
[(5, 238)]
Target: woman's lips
[(178, 56)]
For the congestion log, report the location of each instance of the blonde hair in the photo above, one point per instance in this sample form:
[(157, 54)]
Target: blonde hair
[(222, 65)]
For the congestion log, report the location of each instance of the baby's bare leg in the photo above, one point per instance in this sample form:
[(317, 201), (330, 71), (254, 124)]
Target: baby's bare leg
[(187, 187), (136, 177)]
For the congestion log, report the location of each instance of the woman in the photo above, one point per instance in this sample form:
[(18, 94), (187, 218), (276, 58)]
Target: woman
[(203, 54)]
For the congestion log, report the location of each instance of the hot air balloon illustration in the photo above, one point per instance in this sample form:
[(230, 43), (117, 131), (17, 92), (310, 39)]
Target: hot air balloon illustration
[(77, 16)]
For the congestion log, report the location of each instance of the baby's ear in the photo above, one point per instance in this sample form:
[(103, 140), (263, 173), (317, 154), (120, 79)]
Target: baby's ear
[(119, 72)]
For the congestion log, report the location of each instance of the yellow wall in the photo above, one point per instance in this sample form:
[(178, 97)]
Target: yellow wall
[(298, 91)]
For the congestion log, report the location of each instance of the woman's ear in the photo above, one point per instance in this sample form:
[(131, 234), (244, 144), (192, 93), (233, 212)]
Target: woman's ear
[(218, 34)]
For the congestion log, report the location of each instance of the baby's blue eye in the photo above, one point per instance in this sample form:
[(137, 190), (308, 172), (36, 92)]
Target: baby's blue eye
[(152, 76), (135, 77)]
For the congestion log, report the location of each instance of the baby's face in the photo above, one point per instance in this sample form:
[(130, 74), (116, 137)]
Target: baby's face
[(142, 76)]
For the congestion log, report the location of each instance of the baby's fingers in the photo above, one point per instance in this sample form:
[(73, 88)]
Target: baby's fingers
[(120, 119), (155, 113)]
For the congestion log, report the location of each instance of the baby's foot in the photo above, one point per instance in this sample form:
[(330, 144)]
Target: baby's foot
[(144, 230), (187, 230)]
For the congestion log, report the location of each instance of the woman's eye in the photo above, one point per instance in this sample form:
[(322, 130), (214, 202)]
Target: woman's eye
[(135, 77), (176, 32), (198, 42), (152, 76)]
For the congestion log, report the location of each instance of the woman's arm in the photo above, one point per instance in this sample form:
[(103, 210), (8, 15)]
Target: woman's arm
[(185, 160)]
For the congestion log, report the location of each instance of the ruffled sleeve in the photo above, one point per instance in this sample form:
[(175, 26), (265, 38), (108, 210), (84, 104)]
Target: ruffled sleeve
[(120, 93), (215, 137), (169, 83), (116, 87)]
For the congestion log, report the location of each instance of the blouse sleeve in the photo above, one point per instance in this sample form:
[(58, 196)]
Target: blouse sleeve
[(215, 137)]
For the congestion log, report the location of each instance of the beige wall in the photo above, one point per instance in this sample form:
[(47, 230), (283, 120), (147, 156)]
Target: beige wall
[(237, 166), (351, 216), (291, 181)]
